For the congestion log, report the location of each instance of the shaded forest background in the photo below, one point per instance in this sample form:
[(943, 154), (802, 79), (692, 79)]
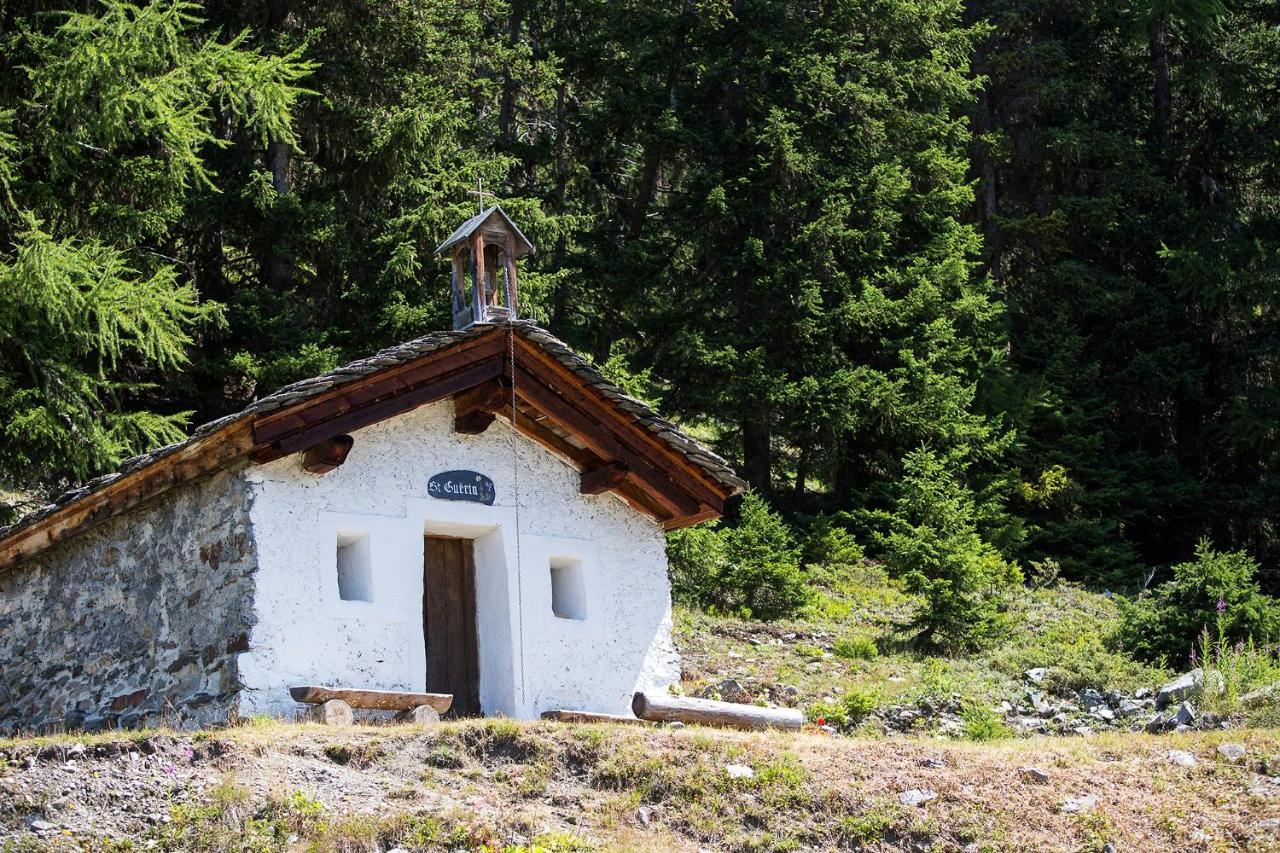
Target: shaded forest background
[(1020, 255)]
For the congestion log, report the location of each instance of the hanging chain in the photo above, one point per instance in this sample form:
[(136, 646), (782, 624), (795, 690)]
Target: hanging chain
[(515, 481)]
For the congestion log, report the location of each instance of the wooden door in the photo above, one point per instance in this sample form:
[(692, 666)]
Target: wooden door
[(449, 622)]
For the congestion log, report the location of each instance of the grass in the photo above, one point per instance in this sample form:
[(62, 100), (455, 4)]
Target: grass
[(552, 787), (853, 642)]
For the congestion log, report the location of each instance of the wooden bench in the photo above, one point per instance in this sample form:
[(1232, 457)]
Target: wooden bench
[(332, 705)]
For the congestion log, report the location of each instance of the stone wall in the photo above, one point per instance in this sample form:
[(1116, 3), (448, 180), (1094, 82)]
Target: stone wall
[(138, 621)]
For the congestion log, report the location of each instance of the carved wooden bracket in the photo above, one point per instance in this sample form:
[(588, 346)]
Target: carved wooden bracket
[(327, 455), (604, 478)]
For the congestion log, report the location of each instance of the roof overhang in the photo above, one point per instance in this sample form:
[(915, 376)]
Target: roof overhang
[(512, 371)]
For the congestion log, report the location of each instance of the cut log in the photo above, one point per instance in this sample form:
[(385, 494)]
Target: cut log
[(334, 712), (377, 700), (667, 709), (591, 717), (423, 715)]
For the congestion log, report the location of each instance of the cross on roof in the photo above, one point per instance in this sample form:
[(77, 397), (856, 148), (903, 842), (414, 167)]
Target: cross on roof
[(480, 194)]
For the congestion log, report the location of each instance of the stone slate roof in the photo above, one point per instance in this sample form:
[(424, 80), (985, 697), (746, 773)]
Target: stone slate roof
[(709, 462)]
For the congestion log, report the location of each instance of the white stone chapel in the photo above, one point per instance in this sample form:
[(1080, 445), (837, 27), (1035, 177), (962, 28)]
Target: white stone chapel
[(475, 512)]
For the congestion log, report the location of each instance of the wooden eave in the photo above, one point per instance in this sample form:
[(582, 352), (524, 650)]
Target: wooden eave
[(553, 406)]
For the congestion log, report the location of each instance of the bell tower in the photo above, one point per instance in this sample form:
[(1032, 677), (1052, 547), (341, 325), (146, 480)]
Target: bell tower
[(484, 250)]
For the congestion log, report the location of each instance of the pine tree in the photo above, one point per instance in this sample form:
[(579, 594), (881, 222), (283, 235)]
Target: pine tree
[(109, 120)]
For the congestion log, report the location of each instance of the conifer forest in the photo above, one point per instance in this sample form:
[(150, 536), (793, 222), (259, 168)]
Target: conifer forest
[(988, 290)]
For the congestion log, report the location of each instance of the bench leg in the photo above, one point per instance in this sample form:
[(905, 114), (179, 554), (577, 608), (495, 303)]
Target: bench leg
[(335, 712), (423, 715)]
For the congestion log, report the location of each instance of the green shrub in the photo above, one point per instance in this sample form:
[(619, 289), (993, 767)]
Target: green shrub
[(933, 542), (826, 543), (751, 569), (982, 723), (1216, 590), (855, 647), (857, 703)]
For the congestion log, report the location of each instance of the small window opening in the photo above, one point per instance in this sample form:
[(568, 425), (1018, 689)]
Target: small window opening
[(355, 575), (568, 589)]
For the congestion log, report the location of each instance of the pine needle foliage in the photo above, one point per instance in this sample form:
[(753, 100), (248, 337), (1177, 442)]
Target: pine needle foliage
[(117, 112)]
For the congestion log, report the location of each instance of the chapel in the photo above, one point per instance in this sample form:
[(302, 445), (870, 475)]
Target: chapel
[(476, 512)]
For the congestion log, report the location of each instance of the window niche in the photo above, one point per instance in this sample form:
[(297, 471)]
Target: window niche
[(568, 589), (355, 572)]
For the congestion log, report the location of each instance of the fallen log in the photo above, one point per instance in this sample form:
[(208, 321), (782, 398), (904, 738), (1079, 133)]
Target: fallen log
[(667, 709), (591, 717), (377, 700)]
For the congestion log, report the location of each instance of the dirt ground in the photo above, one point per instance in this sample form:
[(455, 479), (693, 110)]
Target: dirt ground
[(505, 785)]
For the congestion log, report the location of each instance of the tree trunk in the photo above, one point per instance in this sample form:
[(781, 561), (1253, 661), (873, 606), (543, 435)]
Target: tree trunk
[(756, 438), (279, 266), (507, 110), (1161, 98)]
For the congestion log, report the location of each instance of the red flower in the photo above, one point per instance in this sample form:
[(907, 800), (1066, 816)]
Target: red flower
[(822, 721)]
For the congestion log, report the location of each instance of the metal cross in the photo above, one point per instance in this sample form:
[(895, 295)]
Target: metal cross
[(480, 194)]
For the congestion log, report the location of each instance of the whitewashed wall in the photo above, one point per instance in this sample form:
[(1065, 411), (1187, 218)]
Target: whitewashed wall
[(530, 660)]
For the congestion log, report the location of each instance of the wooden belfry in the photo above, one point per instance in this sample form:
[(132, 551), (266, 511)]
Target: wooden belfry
[(486, 246)]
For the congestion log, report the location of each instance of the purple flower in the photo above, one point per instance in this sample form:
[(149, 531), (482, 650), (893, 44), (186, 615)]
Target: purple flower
[(1222, 606)]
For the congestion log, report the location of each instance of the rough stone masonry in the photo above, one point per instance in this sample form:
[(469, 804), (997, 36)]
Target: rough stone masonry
[(139, 621)]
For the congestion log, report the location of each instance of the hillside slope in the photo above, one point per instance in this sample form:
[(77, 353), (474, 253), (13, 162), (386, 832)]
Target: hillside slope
[(279, 786)]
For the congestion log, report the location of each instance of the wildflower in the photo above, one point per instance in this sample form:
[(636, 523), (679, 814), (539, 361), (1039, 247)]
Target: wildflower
[(822, 721), (1222, 606)]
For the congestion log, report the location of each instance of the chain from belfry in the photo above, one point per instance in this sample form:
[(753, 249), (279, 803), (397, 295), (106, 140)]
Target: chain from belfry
[(515, 483)]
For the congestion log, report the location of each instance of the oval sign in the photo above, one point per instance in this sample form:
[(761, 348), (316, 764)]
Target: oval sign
[(462, 486)]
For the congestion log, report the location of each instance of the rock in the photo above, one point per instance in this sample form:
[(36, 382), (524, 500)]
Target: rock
[(1185, 715), (675, 724), (1142, 693), (932, 763), (1232, 753), (1181, 758), (1187, 685), (1263, 696), (1083, 731), (1102, 712), (916, 797), (41, 826), (1130, 708), (1036, 698), (1083, 803), (1034, 774), (739, 771), (1036, 675), (644, 815), (1269, 823), (1091, 699), (729, 690)]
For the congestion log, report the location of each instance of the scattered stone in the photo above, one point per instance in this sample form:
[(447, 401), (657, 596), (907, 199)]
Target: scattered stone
[(1091, 699), (1102, 712), (1269, 823), (1232, 753), (675, 724), (916, 797), (1034, 774), (1261, 697), (1181, 758), (729, 690), (1142, 693), (1072, 805), (1037, 674), (932, 763), (1083, 731), (41, 826), (739, 771), (644, 815), (1187, 685), (1130, 708), (1185, 715)]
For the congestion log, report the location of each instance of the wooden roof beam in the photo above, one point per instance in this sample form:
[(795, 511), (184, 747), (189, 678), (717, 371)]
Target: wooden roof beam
[(602, 442)]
